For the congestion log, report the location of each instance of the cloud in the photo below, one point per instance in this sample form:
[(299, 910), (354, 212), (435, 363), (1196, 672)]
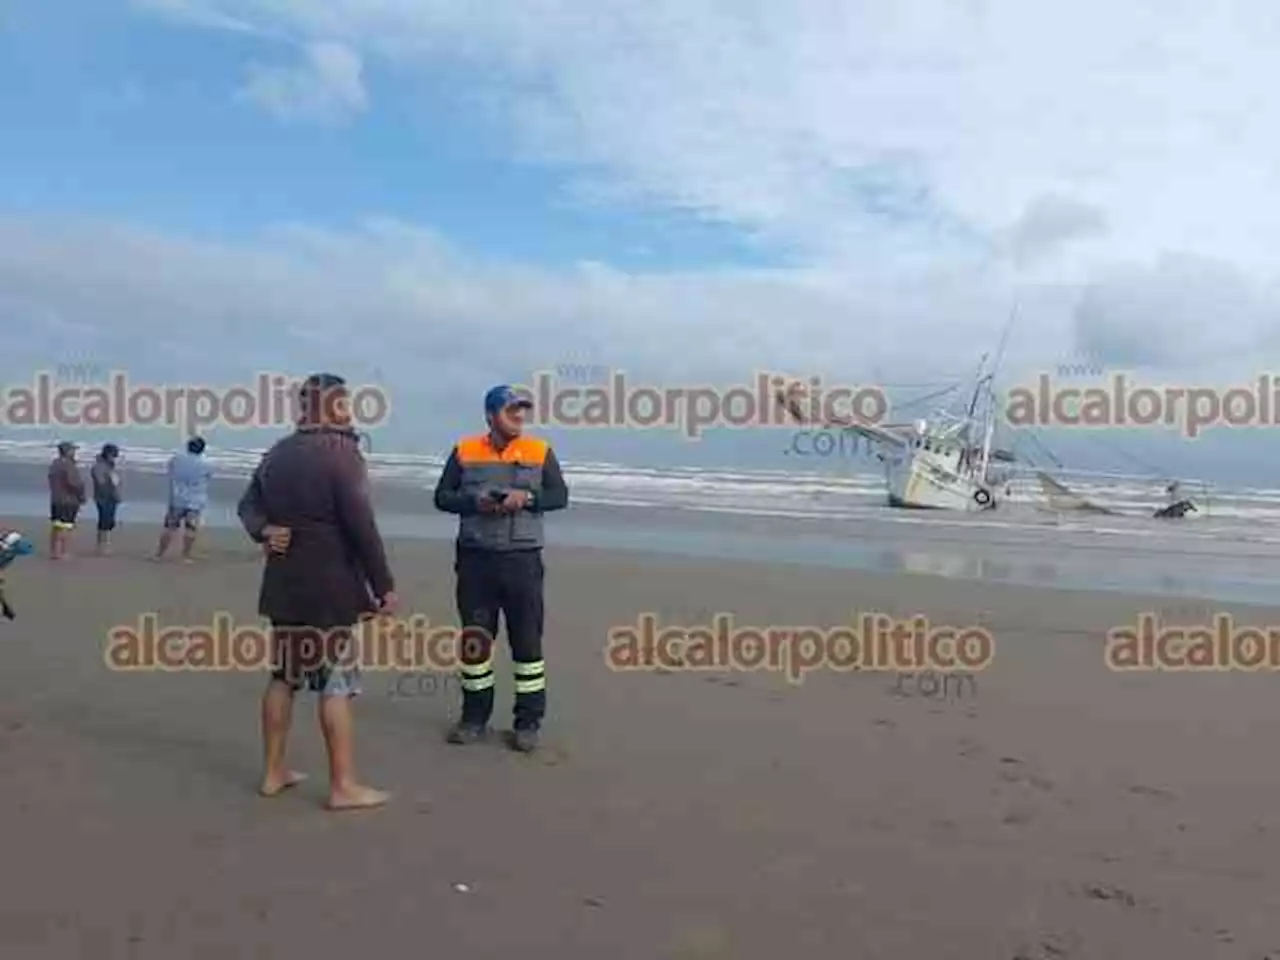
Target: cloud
[(1181, 311), (328, 86), (873, 131), (196, 13), (398, 296), (927, 162), (1048, 224), (396, 303)]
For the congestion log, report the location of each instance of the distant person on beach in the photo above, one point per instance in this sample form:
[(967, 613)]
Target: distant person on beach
[(106, 493), (325, 571), (189, 476), (500, 483), (66, 497)]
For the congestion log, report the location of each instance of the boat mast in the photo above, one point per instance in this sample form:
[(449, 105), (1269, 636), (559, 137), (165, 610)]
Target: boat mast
[(988, 435), (977, 386), (988, 382)]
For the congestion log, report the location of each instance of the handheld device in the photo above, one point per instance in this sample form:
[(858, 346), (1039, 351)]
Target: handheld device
[(497, 496)]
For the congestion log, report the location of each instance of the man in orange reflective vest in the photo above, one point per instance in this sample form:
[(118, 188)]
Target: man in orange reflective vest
[(500, 484)]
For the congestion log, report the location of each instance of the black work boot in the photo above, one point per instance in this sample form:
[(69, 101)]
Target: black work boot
[(524, 739), (464, 732)]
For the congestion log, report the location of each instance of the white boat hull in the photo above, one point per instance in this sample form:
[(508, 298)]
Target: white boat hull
[(929, 483)]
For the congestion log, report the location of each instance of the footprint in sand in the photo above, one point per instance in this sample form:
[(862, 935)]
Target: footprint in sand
[(1110, 894), (547, 755), (1051, 947), (1016, 772), (1155, 792), (1019, 815)]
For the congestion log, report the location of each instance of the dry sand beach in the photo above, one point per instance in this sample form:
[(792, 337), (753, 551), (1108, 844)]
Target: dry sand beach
[(1052, 809)]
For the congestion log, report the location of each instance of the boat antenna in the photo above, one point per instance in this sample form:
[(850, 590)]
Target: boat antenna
[(1004, 337), (988, 381)]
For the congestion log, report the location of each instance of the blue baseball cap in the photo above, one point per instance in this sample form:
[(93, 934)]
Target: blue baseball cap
[(503, 396)]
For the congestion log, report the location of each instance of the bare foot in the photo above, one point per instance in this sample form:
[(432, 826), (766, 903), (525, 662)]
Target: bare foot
[(275, 785), (357, 798)]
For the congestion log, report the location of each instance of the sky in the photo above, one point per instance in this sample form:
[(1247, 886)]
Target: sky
[(441, 196)]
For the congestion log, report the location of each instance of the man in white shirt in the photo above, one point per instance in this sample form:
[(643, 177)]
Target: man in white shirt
[(189, 475)]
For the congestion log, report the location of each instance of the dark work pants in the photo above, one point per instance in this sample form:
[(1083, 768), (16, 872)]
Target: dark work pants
[(510, 583)]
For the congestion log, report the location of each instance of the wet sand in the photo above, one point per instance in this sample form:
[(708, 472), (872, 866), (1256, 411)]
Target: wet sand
[(1049, 809)]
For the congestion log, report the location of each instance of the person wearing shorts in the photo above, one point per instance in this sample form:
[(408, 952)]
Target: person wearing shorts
[(318, 661), (66, 496), (106, 494), (182, 518), (189, 475), (325, 576)]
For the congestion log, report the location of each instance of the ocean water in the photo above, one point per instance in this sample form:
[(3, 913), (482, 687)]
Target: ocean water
[(1228, 551)]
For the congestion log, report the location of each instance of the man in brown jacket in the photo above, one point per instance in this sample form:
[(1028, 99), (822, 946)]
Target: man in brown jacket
[(66, 497), (326, 569)]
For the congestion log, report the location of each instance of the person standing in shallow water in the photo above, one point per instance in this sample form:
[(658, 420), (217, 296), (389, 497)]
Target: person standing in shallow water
[(106, 494), (325, 571)]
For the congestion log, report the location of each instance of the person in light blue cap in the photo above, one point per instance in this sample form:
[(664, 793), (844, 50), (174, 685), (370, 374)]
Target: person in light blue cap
[(500, 483)]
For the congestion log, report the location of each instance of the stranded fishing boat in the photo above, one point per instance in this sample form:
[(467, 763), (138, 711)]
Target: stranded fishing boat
[(950, 461), (944, 462)]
